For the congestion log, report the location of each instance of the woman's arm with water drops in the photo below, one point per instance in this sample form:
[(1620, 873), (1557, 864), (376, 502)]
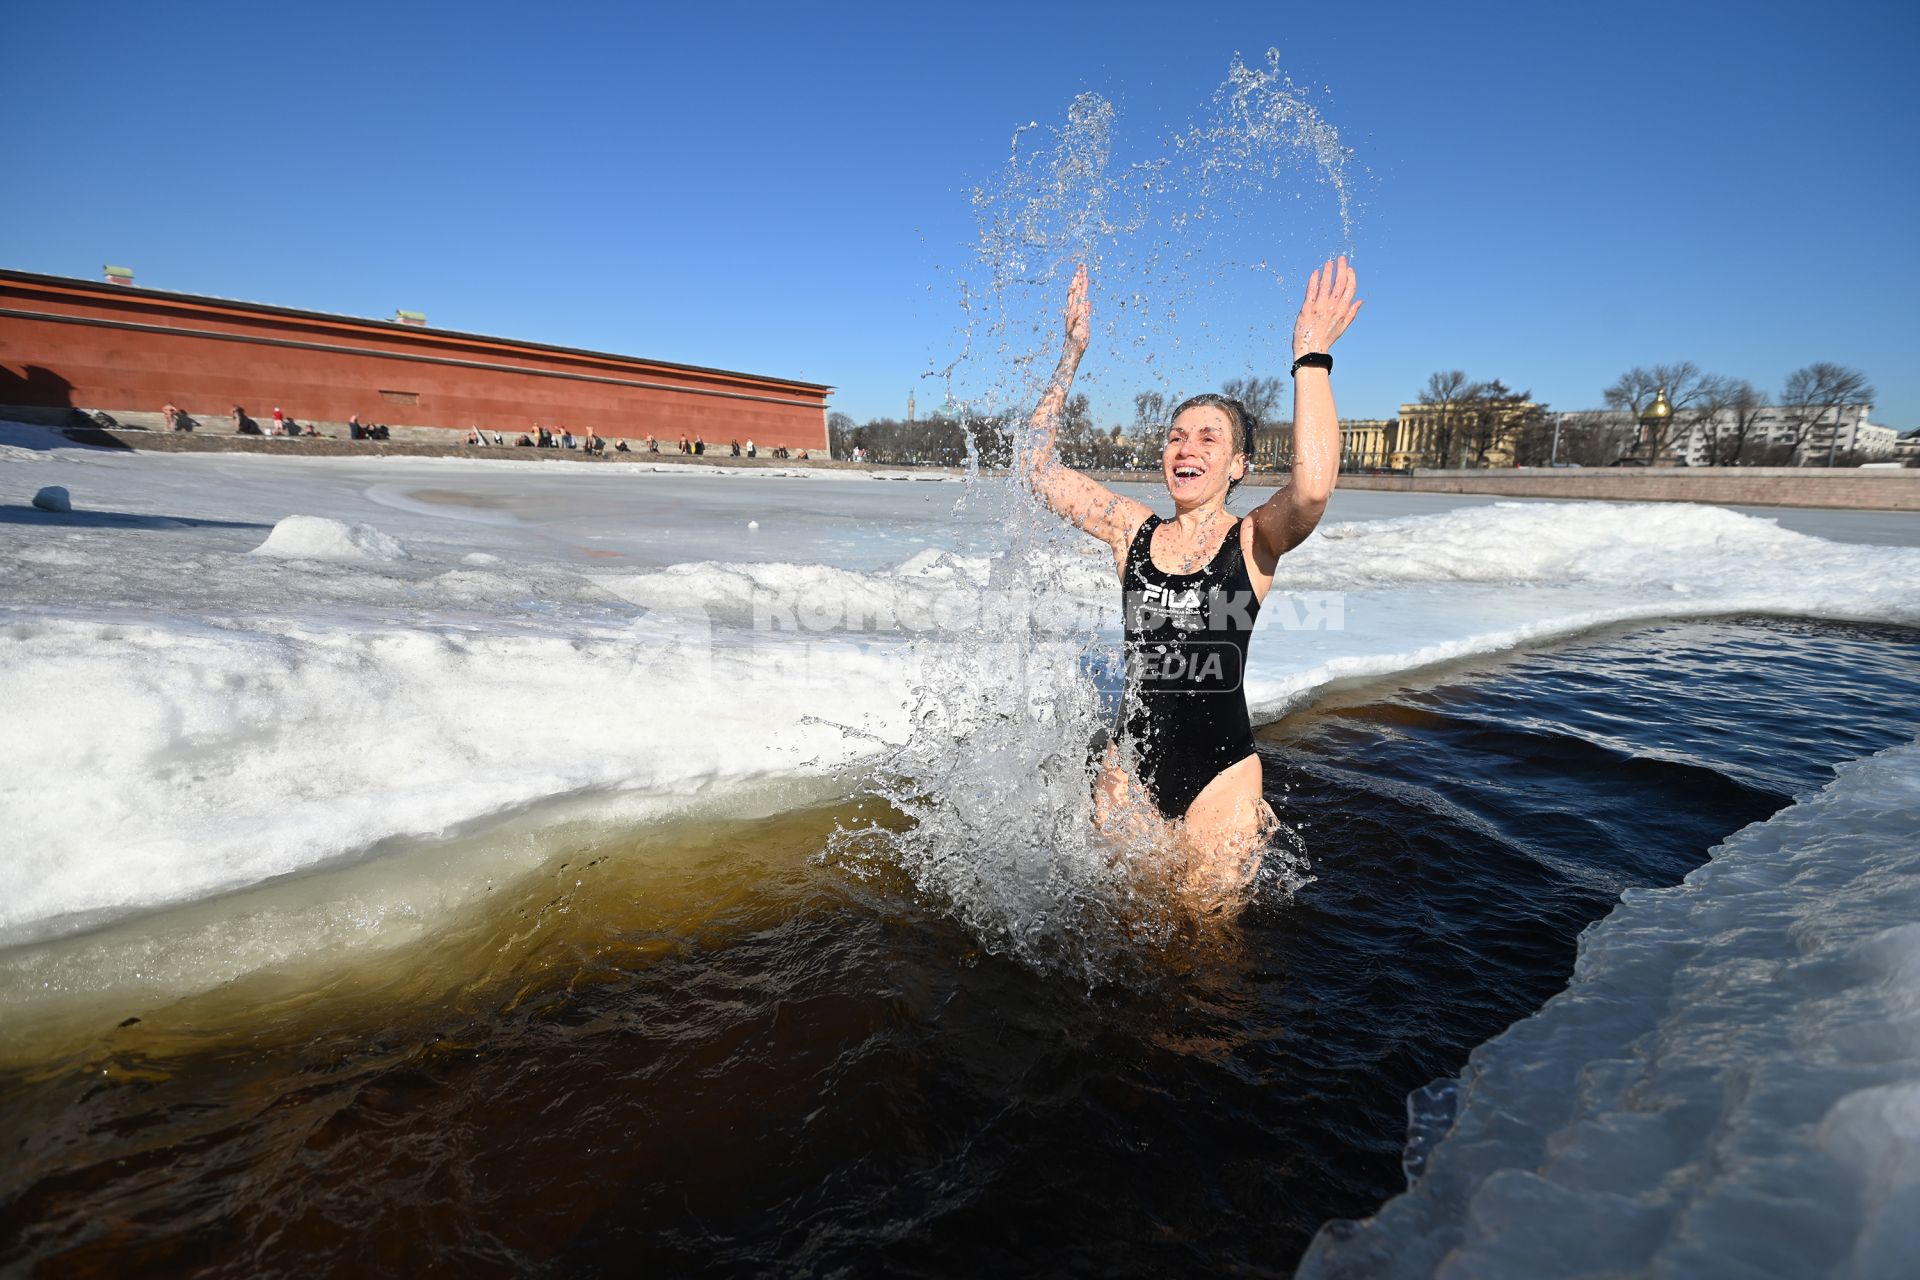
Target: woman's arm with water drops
[(1283, 521), (1078, 499)]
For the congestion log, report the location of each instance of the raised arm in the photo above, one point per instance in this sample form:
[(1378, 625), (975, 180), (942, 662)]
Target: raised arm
[(1283, 521), (1079, 499)]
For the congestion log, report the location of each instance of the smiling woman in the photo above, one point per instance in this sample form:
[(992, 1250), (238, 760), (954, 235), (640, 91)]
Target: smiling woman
[(1193, 586)]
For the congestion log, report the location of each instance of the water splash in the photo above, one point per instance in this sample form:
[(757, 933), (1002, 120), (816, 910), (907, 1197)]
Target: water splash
[(1182, 233), (1265, 129), (994, 782), (994, 785)]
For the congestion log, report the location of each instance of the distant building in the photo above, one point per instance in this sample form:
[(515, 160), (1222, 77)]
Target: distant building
[(1440, 436), (67, 343), (1689, 440), (1878, 443), (1366, 442), (1841, 433), (1272, 445)]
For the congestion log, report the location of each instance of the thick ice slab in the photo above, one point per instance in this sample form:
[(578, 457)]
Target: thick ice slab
[(1730, 1086)]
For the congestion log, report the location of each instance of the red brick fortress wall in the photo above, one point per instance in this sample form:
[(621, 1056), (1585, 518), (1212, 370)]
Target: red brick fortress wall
[(101, 346)]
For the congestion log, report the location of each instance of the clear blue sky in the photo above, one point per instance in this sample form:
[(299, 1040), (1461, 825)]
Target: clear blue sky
[(1550, 194)]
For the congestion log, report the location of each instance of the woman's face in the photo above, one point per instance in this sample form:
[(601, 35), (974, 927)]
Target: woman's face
[(1200, 459)]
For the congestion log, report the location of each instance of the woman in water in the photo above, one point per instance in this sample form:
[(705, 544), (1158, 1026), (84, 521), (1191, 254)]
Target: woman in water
[(1191, 589)]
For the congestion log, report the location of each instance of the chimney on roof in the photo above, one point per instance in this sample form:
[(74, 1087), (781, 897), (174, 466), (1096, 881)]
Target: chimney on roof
[(418, 318), (119, 275)]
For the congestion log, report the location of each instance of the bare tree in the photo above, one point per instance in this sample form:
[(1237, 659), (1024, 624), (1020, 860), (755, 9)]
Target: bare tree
[(1500, 419), (1597, 439), (1149, 410), (1533, 437), (1261, 396), (1495, 416), (991, 437), (1480, 421), (1149, 424), (1074, 438), (1590, 438), (1730, 410), (1450, 394), (1635, 391), (1114, 450), (937, 441), (1819, 392)]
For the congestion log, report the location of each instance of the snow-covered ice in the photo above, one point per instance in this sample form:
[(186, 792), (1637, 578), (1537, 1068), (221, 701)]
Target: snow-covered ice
[(422, 643), (426, 649)]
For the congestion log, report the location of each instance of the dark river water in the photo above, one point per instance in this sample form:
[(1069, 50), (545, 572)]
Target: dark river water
[(708, 1051)]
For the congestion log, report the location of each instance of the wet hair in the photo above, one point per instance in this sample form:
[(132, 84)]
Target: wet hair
[(1244, 423)]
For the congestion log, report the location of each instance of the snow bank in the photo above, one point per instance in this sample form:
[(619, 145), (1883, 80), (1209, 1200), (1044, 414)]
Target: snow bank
[(1655, 543), (932, 590), (1729, 1086), (154, 763), (318, 538), (185, 718)]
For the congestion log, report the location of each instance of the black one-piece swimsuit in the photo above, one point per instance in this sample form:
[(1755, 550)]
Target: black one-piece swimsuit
[(1185, 715)]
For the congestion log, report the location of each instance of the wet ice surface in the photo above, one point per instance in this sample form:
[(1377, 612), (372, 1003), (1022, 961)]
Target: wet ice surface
[(1729, 1086)]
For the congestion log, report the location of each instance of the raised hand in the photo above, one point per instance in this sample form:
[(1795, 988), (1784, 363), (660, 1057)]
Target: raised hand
[(1080, 499), (1079, 313), (1330, 307)]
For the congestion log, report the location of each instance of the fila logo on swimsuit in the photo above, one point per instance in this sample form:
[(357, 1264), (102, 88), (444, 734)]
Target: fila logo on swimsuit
[(1161, 606), (1189, 609)]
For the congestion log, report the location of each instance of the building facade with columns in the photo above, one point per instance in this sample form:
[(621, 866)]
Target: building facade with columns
[(1442, 436), (1366, 443)]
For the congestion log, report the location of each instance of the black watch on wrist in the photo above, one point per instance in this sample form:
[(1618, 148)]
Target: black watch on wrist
[(1311, 360)]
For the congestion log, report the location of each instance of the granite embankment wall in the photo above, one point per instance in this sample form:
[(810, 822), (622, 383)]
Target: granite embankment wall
[(1877, 490)]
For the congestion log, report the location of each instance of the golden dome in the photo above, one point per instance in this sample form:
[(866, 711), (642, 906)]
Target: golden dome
[(1659, 408)]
